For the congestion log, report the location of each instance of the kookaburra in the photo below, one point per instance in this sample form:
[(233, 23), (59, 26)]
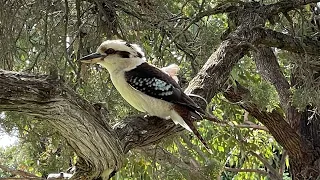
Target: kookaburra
[(144, 86)]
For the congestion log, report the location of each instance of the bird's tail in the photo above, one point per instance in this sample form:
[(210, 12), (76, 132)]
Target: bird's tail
[(196, 132), (183, 117)]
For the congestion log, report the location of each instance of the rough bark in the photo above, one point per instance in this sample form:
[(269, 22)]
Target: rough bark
[(272, 38), (274, 121), (79, 122), (270, 70), (302, 150)]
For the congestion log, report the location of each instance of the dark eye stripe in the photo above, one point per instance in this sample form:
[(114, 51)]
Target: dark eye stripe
[(123, 54)]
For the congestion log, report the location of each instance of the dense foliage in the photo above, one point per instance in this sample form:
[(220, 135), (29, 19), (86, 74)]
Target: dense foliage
[(47, 37)]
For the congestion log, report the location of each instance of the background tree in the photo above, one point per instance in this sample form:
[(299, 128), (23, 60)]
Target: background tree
[(257, 63)]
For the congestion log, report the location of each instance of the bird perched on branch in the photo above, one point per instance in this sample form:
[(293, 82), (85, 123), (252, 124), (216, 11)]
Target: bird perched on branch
[(144, 86)]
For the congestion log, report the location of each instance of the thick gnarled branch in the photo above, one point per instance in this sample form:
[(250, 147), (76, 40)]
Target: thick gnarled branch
[(282, 41), (140, 131), (276, 124), (79, 122), (218, 66), (100, 147), (284, 6), (270, 70)]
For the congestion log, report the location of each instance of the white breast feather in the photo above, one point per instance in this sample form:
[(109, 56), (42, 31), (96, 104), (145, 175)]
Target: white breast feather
[(145, 103), (139, 100)]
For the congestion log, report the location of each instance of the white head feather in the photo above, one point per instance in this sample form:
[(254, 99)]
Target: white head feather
[(120, 45), (114, 62)]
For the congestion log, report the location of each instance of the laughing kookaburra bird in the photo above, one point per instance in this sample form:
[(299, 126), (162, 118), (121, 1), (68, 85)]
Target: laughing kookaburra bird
[(144, 86)]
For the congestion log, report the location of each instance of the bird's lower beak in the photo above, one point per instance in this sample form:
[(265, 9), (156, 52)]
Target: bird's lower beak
[(92, 58)]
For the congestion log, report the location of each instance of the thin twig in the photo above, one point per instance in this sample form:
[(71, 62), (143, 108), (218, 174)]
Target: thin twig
[(283, 162), (66, 56), (267, 165), (246, 170), (195, 148)]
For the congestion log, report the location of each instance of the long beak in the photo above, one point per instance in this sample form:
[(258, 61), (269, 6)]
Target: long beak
[(92, 58)]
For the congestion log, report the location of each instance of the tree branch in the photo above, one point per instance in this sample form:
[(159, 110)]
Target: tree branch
[(269, 68), (85, 129), (218, 67), (273, 171), (165, 157), (194, 147), (282, 163), (140, 131), (252, 126), (83, 125), (284, 6), (246, 170), (282, 41), (274, 121), (221, 8), (18, 172)]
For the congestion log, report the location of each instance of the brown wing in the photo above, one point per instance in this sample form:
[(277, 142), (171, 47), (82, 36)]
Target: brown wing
[(154, 82)]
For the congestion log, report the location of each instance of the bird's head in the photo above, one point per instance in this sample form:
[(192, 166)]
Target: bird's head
[(116, 55)]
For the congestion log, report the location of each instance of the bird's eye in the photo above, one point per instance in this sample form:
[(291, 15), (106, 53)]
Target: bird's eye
[(110, 51)]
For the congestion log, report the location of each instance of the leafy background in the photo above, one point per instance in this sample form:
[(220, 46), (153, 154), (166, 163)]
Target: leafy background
[(47, 37)]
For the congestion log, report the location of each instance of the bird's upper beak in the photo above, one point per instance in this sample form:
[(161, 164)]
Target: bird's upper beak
[(92, 58)]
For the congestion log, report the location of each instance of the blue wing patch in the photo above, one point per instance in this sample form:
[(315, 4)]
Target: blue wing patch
[(151, 86), (155, 83)]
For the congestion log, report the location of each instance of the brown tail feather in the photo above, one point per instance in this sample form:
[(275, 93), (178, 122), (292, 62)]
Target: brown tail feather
[(186, 115), (196, 132)]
